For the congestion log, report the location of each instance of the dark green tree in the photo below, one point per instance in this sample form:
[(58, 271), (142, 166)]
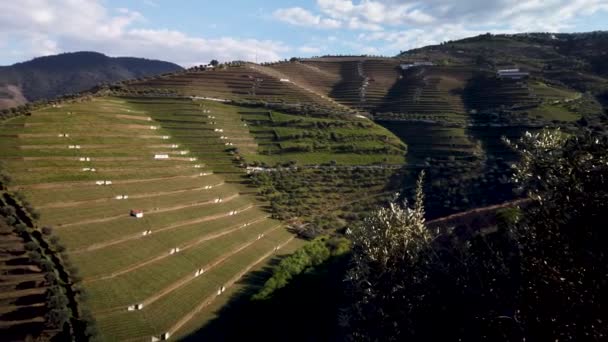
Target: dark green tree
[(540, 275)]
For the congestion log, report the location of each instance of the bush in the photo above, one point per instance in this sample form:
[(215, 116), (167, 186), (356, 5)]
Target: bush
[(57, 317), (59, 248), (51, 278), (35, 214), (31, 245), (54, 240), (307, 257), (34, 257), (11, 220), (20, 228), (46, 265), (47, 230), (8, 211)]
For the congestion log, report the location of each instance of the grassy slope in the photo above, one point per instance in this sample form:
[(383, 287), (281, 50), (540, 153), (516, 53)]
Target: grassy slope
[(120, 266)]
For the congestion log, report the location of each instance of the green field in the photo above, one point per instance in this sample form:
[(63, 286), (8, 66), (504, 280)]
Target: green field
[(194, 201)]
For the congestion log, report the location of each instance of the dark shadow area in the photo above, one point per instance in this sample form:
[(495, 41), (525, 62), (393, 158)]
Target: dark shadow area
[(23, 313), (19, 332), (29, 284), (396, 94), (348, 89), (18, 261), (31, 299), (21, 271), (307, 309)]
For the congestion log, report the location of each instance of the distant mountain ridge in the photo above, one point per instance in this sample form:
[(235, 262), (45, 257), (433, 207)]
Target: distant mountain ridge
[(51, 76)]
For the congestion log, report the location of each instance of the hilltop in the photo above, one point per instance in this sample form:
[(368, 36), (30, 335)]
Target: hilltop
[(51, 76)]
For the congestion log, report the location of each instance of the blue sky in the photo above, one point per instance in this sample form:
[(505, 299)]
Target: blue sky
[(193, 32)]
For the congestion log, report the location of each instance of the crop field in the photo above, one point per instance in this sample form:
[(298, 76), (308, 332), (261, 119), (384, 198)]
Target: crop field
[(246, 82), (85, 166), (309, 141), (364, 156)]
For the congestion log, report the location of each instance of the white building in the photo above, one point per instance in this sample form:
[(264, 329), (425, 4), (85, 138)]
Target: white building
[(137, 213), (406, 66), (513, 74)]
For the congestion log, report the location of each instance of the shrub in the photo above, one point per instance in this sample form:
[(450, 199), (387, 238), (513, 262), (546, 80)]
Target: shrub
[(20, 228), (47, 230), (34, 257), (31, 245)]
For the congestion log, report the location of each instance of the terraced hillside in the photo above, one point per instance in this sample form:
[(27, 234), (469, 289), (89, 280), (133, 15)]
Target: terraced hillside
[(88, 166), (446, 113), (242, 82), (300, 156), (379, 85), (221, 163), (23, 290)]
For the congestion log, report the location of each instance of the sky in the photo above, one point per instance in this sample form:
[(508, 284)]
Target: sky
[(189, 32)]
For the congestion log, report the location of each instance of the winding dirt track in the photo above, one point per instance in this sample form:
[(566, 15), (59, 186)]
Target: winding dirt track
[(457, 216)]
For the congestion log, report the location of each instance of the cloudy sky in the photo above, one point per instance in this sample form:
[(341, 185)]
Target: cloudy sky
[(190, 32)]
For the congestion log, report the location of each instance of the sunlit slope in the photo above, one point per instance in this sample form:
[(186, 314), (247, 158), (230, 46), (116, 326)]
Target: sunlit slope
[(85, 166), (243, 82)]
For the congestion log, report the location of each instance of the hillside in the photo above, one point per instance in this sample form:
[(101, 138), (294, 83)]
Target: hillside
[(179, 161), (233, 168), (452, 109), (51, 76)]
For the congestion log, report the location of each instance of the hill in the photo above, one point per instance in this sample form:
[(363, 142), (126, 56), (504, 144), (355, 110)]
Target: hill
[(230, 165), (51, 76)]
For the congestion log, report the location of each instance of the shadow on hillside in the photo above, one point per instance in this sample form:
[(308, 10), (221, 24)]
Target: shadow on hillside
[(18, 261), (28, 284), (347, 90), (23, 313), (395, 95), (31, 299), (19, 332), (306, 309)]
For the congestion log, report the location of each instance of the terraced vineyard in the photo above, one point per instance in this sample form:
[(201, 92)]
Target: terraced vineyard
[(312, 140), (22, 290), (87, 166), (245, 82), (166, 195)]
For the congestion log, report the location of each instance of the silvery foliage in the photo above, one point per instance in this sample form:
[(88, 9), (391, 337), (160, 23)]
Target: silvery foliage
[(551, 159), (392, 234), (390, 250), (539, 153)]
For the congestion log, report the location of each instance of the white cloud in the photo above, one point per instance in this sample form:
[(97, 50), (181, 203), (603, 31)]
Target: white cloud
[(394, 25), (473, 15), (357, 24), (309, 50), (301, 17), (150, 3), (47, 27), (376, 12), (415, 38)]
